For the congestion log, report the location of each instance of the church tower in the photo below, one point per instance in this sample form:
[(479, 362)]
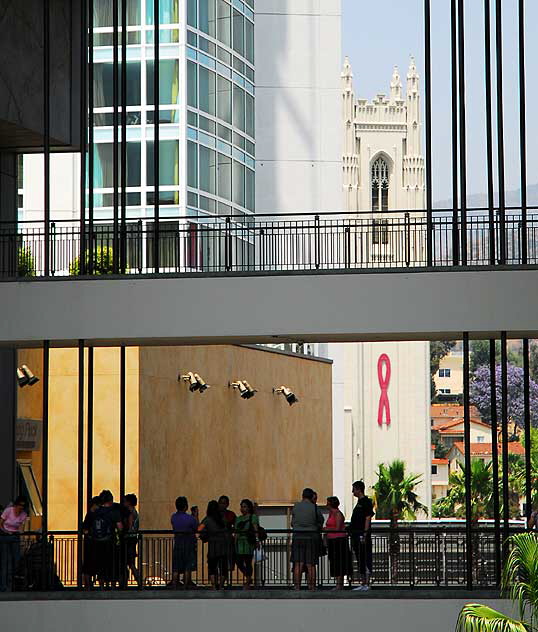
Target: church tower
[(383, 166)]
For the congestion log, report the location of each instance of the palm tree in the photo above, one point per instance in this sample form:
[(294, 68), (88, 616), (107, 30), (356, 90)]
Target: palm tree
[(394, 494), (481, 493), (520, 582)]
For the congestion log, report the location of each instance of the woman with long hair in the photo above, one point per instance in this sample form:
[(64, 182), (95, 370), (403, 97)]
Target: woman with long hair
[(337, 544), (246, 540), (213, 532)]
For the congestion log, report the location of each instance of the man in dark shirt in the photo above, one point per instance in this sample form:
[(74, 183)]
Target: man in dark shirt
[(105, 524), (361, 538)]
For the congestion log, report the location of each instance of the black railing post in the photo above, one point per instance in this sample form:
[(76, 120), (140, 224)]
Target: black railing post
[(156, 135), (428, 104), (527, 428), (115, 140), (227, 246), (468, 480), (317, 245), (91, 147), (454, 73), (463, 130), (83, 133), (407, 221), (80, 474), (52, 248), (495, 458), (504, 426), (46, 129), (489, 129), (89, 448), (45, 455), (522, 131), (123, 434), (500, 132), (123, 170)]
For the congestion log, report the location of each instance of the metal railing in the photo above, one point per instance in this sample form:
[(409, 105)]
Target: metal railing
[(405, 557), (343, 241)]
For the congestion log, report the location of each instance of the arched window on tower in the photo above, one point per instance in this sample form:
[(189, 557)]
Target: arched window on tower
[(380, 185), (380, 199)]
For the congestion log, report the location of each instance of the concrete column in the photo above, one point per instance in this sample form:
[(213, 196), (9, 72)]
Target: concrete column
[(8, 414)]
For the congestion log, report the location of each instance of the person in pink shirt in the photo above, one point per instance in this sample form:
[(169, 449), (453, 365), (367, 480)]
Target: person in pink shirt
[(11, 523), (337, 544)]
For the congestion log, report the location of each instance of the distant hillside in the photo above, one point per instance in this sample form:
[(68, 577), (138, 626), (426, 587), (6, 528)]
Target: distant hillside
[(480, 200)]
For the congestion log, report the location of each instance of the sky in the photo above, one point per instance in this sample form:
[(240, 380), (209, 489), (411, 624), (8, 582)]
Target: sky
[(377, 36)]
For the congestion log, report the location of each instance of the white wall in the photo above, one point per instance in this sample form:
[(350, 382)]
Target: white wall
[(326, 307), (267, 615), (298, 102)]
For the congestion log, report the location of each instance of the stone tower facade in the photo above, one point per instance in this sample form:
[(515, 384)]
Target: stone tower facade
[(383, 166)]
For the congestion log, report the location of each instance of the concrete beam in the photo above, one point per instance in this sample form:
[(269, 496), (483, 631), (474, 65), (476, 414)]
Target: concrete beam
[(242, 309)]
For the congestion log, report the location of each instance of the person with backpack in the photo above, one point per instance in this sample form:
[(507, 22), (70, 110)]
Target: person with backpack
[(246, 540), (105, 525)]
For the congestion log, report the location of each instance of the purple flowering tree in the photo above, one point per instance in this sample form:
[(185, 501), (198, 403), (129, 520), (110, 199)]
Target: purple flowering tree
[(480, 392)]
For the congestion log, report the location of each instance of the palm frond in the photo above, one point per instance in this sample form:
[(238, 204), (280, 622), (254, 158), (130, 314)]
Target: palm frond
[(520, 576), (475, 617)]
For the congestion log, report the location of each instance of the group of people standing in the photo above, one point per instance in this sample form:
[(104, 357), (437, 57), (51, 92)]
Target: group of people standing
[(231, 541), (313, 538)]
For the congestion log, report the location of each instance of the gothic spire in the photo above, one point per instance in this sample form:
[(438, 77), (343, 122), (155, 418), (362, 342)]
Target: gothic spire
[(347, 75), (412, 76), (395, 86)]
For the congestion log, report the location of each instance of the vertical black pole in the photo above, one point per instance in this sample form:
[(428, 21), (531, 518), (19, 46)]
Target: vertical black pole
[(495, 458), (454, 69), (504, 434), (115, 122), (489, 130), (91, 147), (89, 449), (80, 475), (83, 132), (463, 131), (527, 428), (522, 132), (467, 444), (500, 133), (123, 238), (45, 438), (156, 137), (428, 95), (123, 395), (46, 130)]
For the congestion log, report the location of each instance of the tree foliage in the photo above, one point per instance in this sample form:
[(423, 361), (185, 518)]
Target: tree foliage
[(480, 392), (520, 582), (479, 355), (394, 492)]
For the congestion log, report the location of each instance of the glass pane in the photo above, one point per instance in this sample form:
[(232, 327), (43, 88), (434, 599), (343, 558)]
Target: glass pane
[(239, 108), (249, 41), (249, 111), (192, 13), (31, 487), (207, 125), (224, 102), (103, 84), (224, 133), (168, 163), (169, 244), (225, 177), (250, 190), (224, 56), (192, 84), (168, 11), (207, 169), (192, 39), (239, 183), (168, 82), (238, 32), (102, 12), (166, 36), (102, 169), (224, 22), (207, 16), (207, 90), (134, 172), (192, 164), (207, 46)]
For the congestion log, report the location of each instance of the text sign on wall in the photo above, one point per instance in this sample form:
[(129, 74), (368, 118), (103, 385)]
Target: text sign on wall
[(27, 434)]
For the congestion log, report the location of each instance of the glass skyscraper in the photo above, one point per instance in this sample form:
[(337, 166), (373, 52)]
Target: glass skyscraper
[(206, 115)]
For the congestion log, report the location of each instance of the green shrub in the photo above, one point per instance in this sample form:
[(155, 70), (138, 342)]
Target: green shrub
[(103, 261), (25, 262)]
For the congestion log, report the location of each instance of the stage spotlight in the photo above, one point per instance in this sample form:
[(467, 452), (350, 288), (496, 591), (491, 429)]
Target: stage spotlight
[(291, 398), (191, 379), (245, 389), (32, 379), (202, 386), (22, 379)]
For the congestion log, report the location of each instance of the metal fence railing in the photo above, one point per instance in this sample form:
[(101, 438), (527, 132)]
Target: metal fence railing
[(263, 244), (405, 557)]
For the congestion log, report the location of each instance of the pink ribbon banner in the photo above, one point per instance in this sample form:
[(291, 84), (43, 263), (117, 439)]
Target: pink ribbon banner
[(383, 375)]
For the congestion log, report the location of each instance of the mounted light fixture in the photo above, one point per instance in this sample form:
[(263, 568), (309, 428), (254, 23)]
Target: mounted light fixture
[(196, 383), (202, 386), (25, 376), (245, 389), (290, 396)]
